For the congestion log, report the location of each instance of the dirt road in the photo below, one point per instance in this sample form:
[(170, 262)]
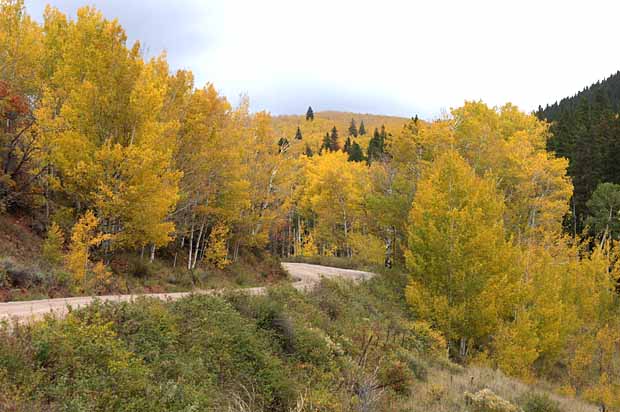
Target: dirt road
[(304, 277)]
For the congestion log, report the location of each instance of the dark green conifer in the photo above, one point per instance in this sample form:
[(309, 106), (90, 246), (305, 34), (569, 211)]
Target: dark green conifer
[(298, 135), (326, 145), (355, 153), (333, 140), (362, 130), (375, 145), (347, 145), (310, 114), (353, 129)]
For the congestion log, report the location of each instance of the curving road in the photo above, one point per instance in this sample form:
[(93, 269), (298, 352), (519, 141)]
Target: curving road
[(305, 276)]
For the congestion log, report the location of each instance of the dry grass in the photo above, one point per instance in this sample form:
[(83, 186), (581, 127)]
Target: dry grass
[(444, 391)]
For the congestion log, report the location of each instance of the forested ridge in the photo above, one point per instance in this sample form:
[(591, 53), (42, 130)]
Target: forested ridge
[(586, 130), (110, 155)]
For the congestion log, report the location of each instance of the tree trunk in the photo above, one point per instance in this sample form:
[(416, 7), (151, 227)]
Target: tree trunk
[(191, 244), (197, 248), (463, 348)]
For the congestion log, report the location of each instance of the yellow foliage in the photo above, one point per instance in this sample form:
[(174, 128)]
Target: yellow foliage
[(84, 236), (21, 45), (314, 131), (140, 200), (53, 245), (474, 198), (367, 248), (217, 249), (333, 189), (461, 263), (308, 247), (100, 279), (516, 347)]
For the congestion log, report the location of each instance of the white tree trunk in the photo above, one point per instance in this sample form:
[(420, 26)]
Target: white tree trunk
[(197, 248), (191, 244)]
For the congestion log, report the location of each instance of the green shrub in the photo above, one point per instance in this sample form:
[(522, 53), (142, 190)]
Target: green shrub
[(231, 351), (538, 402), (140, 268), (86, 360), (61, 279), (417, 366), (211, 353), (329, 300), (19, 276)]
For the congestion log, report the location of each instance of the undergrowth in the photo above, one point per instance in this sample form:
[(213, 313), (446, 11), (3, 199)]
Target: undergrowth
[(341, 347)]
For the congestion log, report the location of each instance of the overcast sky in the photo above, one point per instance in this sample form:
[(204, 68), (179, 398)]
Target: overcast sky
[(389, 57)]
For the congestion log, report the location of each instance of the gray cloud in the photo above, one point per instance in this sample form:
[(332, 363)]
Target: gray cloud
[(389, 57)]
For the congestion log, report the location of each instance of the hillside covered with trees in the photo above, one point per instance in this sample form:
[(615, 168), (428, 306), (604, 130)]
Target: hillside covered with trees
[(108, 155), (586, 130)]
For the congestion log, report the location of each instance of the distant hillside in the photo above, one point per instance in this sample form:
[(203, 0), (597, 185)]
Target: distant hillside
[(313, 131), (608, 89), (585, 128)]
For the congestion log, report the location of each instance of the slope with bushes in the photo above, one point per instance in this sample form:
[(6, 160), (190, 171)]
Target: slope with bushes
[(341, 347)]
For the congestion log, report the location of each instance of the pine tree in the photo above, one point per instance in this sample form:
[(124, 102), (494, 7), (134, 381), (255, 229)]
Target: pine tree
[(603, 207), (298, 135), (355, 153), (333, 140), (353, 129), (347, 146), (326, 145), (376, 145), (309, 151), (362, 130), (310, 114)]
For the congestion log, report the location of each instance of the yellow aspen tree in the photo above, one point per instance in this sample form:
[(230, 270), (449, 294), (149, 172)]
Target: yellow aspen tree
[(53, 245), (367, 248), (21, 48), (308, 246), (463, 270), (100, 279), (265, 167), (516, 347), (217, 246), (84, 236), (334, 191), (213, 185)]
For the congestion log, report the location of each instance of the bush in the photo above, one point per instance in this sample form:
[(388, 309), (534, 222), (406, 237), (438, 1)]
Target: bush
[(87, 360), (417, 366), (52, 249), (140, 269), (18, 276), (231, 350), (538, 402), (487, 401), (396, 376)]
